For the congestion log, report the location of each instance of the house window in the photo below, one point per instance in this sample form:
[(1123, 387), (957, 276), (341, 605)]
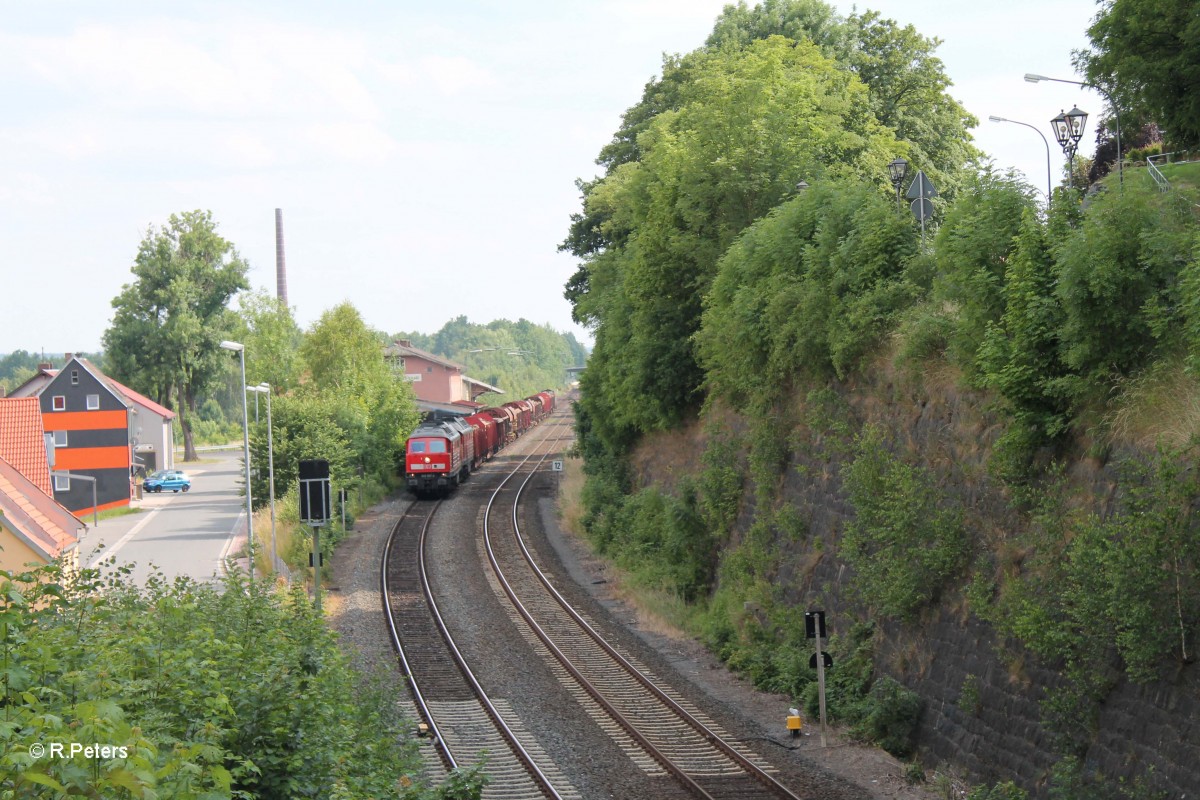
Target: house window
[(62, 483), (60, 438), (93, 402), (59, 402), (74, 377)]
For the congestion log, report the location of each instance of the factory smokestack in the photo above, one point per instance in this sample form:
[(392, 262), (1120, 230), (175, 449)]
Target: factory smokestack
[(280, 262)]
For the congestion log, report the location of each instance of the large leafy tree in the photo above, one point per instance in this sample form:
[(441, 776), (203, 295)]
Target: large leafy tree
[(750, 123), (165, 336), (1146, 53), (272, 340), (376, 410), (907, 83)]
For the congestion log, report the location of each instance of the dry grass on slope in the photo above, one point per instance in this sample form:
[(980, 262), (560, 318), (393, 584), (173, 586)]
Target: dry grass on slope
[(1160, 406)]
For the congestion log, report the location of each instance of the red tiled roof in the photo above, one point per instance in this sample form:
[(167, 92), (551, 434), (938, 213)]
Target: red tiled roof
[(34, 516), (22, 440), (140, 399), (404, 349)]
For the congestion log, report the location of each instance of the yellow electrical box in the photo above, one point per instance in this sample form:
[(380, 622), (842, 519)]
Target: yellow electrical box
[(794, 723)]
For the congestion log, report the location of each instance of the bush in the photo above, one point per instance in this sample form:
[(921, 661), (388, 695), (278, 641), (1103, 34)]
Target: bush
[(236, 690), (1141, 153), (902, 543), (890, 717)]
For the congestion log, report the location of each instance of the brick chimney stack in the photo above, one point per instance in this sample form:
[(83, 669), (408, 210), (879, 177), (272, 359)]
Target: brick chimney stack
[(280, 262)]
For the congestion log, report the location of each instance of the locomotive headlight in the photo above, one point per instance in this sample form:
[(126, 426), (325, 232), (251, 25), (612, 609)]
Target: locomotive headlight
[(426, 459)]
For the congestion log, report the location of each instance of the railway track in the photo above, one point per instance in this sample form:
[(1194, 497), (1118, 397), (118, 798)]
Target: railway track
[(469, 729), (662, 734)]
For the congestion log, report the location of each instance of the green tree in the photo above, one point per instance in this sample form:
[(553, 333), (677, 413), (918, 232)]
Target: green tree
[(1145, 52), (750, 124), (973, 247), (272, 340), (909, 92), (1120, 282), (374, 409), (342, 353), (520, 358), (236, 690), (798, 20), (305, 426), (165, 337), (1020, 356), (807, 291), (16, 368)]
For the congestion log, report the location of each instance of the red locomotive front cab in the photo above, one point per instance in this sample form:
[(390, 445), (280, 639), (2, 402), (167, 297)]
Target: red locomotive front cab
[(433, 460)]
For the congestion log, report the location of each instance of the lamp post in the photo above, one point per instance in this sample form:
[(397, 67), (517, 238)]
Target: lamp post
[(1068, 130), (1044, 141), (241, 351), (898, 171), (1032, 78), (265, 388)]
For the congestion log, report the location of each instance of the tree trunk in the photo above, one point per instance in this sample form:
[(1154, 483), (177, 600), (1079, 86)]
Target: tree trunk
[(186, 406)]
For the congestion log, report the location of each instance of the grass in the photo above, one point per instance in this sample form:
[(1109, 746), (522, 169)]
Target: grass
[(1160, 405), (570, 488), (657, 612), (122, 511)]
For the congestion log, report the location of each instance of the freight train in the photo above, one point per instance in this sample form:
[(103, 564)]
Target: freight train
[(444, 450)]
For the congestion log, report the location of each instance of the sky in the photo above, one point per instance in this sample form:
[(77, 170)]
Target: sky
[(424, 155)]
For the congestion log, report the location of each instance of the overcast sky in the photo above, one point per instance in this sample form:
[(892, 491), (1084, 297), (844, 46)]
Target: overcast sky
[(424, 154)]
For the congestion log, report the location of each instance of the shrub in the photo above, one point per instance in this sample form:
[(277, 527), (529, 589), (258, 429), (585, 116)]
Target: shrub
[(890, 717), (904, 545), (237, 690)]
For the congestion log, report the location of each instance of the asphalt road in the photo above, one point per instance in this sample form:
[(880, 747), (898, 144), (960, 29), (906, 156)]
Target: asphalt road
[(177, 534)]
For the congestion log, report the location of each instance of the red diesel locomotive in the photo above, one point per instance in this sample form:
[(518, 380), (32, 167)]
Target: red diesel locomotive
[(442, 452)]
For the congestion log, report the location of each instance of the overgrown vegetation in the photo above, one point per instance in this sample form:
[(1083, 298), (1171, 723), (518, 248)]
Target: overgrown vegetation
[(233, 692), (1077, 325), (904, 544)]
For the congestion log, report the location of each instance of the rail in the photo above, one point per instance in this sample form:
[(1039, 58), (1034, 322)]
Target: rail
[(714, 739), (1160, 179), (523, 756)]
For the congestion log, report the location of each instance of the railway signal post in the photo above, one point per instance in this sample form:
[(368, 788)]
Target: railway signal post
[(314, 512), (814, 628)]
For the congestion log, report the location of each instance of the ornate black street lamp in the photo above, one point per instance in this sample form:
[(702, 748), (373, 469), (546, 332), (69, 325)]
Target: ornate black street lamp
[(1068, 130), (1034, 78), (898, 170)]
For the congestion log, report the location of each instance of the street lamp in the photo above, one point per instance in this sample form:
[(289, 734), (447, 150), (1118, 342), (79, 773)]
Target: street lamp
[(265, 388), (241, 351), (898, 170), (994, 118), (1032, 78), (1068, 130)]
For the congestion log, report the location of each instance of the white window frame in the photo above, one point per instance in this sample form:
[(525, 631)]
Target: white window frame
[(62, 483), (74, 377), (93, 402), (60, 438), (58, 402)]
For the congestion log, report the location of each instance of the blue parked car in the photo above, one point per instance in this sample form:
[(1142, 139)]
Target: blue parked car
[(173, 479)]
